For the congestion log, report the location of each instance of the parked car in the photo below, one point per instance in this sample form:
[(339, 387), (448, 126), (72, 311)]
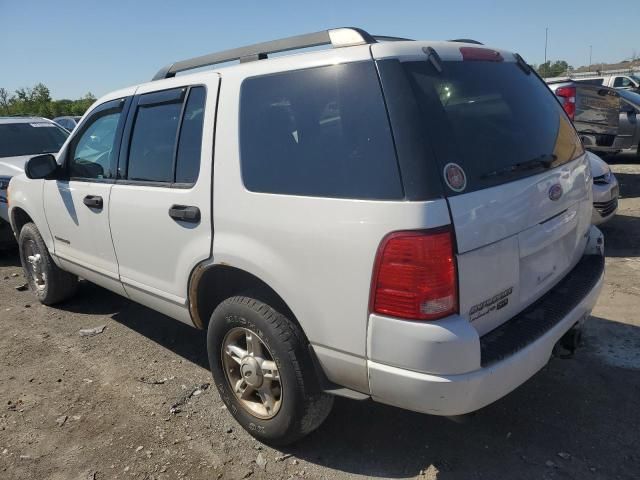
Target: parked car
[(21, 138), (405, 221), (605, 190), (595, 113), (70, 123), (629, 81), (630, 118)]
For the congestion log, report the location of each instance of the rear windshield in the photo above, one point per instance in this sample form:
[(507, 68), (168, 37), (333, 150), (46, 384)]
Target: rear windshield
[(30, 138), (492, 119)]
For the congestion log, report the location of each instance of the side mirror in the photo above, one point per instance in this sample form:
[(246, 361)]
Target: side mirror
[(42, 166)]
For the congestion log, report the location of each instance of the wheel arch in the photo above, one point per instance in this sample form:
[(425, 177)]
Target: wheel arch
[(211, 284), (19, 218)]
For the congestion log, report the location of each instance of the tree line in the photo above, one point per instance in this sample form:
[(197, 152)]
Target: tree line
[(37, 101), (558, 68)]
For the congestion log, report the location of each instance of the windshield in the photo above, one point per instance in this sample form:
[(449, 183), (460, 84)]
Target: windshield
[(492, 119), (30, 138)]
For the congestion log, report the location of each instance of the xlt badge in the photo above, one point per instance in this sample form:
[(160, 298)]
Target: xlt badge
[(498, 301)]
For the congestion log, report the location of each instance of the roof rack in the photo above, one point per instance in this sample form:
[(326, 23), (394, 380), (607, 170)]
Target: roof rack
[(386, 38), (336, 37), (466, 40)]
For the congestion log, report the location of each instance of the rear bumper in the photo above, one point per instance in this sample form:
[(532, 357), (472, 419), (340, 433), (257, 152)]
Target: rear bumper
[(492, 365)]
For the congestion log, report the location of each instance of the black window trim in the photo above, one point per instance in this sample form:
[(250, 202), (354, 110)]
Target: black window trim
[(124, 105), (156, 97), (421, 181)]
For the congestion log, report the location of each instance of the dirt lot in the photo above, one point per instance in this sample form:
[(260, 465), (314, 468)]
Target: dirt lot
[(74, 407)]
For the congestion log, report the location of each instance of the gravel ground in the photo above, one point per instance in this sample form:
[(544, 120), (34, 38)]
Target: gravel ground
[(98, 407)]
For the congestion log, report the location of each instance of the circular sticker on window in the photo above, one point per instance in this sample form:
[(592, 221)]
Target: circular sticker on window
[(455, 177)]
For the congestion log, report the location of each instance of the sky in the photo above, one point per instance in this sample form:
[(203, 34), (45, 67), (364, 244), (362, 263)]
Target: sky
[(80, 46)]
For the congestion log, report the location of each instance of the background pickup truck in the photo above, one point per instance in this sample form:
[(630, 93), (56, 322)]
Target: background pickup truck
[(623, 82), (595, 113)]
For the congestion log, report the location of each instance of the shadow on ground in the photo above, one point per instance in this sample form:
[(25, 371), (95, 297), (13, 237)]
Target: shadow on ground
[(620, 239), (629, 157), (186, 341), (9, 257), (629, 184), (583, 407)]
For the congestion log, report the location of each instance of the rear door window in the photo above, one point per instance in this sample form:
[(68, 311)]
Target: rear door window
[(153, 140), (318, 132), (489, 117), (166, 137)]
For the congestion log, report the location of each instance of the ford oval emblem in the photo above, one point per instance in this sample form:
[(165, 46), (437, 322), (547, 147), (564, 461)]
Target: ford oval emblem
[(555, 192)]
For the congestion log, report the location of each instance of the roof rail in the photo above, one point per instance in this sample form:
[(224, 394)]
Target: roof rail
[(386, 38), (337, 37), (466, 40)]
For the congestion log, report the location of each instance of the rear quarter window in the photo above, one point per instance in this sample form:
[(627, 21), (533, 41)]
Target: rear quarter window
[(318, 132)]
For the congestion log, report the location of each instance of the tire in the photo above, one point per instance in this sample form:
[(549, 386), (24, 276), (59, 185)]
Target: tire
[(49, 282), (303, 406)]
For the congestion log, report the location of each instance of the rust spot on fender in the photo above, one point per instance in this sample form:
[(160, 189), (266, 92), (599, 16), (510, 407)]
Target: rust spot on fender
[(196, 276)]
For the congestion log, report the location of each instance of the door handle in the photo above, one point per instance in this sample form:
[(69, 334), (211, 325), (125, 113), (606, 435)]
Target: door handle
[(185, 213), (93, 201)]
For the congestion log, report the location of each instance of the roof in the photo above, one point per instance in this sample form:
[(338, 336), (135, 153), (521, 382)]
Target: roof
[(336, 38), (5, 120), (297, 49)]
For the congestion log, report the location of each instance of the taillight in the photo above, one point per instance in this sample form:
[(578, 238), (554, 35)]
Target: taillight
[(568, 99), (415, 276), (480, 54)]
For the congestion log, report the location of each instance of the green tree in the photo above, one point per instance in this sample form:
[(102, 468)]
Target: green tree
[(40, 94), (555, 69), (82, 105), (4, 101), (37, 101)]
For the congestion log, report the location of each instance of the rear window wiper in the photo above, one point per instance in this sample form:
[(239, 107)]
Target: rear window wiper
[(543, 161)]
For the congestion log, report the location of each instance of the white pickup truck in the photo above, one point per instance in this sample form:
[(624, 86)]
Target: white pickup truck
[(630, 81)]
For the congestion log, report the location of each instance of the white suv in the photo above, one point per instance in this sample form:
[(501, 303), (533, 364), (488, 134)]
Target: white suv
[(399, 220)]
